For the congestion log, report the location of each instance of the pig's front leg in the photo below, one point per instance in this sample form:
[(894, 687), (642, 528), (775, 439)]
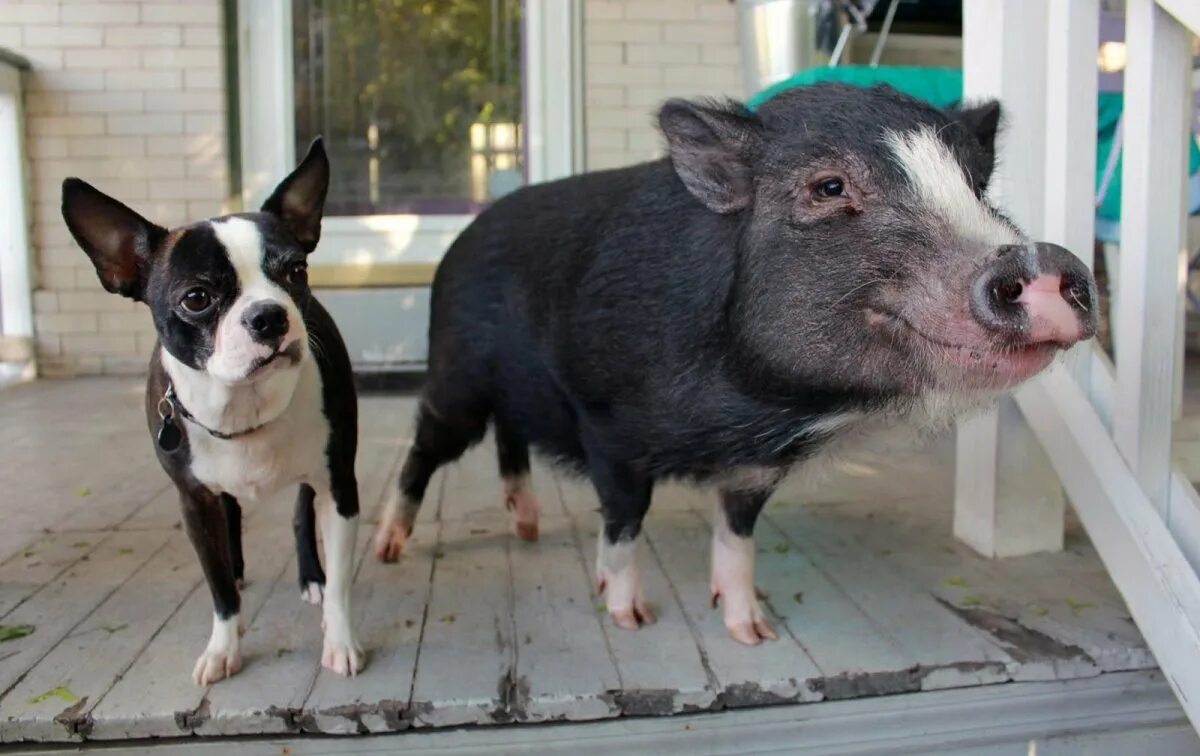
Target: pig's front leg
[(624, 499), (732, 582)]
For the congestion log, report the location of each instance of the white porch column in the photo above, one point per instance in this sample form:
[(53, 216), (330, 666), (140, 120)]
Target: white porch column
[(16, 267), (1153, 255), (1007, 499)]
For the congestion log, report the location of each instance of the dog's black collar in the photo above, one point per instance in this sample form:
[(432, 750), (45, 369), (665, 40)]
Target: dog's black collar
[(169, 434)]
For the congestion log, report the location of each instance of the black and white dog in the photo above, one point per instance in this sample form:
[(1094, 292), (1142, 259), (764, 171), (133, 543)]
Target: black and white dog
[(250, 386)]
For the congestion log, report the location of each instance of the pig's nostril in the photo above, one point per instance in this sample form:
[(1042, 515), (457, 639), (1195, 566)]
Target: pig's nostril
[(1008, 292)]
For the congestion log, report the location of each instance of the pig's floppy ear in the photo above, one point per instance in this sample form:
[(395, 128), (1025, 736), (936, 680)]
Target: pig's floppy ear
[(983, 122), (117, 239), (711, 146), (299, 200)]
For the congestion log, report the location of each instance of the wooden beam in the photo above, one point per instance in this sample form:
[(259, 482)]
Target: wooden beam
[(1070, 172), (1142, 556), (1186, 12), (351, 276), (1157, 106), (1007, 500)]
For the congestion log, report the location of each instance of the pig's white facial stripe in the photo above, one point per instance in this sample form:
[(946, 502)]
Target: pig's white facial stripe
[(941, 184), (235, 350)]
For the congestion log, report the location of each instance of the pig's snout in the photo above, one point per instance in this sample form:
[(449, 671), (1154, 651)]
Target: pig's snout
[(1036, 294)]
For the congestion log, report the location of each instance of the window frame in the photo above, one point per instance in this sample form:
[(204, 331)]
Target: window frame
[(403, 248)]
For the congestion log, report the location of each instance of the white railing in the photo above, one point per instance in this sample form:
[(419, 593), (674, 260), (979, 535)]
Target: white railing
[(16, 290), (1105, 433)]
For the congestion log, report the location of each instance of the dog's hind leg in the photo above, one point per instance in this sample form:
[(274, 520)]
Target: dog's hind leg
[(440, 438), (513, 454), (304, 524)]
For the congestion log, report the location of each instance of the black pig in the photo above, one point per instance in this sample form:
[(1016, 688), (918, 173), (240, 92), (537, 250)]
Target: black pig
[(723, 314)]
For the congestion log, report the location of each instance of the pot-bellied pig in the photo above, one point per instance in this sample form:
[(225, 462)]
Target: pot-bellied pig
[(724, 314)]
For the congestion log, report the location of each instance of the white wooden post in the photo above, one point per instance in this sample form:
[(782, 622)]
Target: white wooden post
[(16, 271), (1157, 102), (553, 87), (1073, 31), (1007, 500)]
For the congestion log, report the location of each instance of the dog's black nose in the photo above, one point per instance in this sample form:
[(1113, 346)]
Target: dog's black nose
[(266, 321)]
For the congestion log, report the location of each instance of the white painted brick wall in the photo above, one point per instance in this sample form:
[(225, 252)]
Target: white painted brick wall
[(638, 53), (129, 96)]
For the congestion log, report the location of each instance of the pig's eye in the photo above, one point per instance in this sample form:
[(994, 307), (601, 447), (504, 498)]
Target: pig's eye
[(829, 188)]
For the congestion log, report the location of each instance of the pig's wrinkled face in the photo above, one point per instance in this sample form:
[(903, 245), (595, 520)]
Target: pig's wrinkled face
[(868, 256)]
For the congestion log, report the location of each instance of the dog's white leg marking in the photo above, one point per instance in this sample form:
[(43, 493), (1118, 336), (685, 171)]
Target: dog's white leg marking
[(223, 657), (618, 580), (524, 507), (341, 652), (732, 583), (312, 593)]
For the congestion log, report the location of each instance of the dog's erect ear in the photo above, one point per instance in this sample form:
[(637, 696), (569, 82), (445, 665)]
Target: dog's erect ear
[(117, 239), (711, 146), (299, 200)]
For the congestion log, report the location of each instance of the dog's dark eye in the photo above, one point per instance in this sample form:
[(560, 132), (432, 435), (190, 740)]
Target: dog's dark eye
[(297, 273), (829, 188), (196, 301)]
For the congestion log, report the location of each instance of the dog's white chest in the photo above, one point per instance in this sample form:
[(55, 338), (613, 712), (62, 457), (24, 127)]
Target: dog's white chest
[(288, 450)]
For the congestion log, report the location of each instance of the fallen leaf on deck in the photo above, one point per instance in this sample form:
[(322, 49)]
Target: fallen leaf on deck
[(82, 491), (61, 691), (448, 618), (799, 597), (110, 629), (1078, 606), (1039, 611), (970, 600), (12, 632), (782, 548), (124, 551), (80, 544), (958, 581)]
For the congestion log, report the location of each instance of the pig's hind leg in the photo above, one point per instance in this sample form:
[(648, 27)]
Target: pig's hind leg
[(442, 436), (624, 499), (513, 455), (732, 581)]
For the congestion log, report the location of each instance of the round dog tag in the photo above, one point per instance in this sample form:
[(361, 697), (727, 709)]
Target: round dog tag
[(169, 436)]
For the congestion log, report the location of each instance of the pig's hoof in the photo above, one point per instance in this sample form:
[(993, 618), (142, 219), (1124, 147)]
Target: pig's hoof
[(389, 541), (312, 593), (214, 665), (341, 653), (744, 619), (524, 508), (624, 600)]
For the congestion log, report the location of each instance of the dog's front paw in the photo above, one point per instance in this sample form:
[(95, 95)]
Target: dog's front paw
[(341, 653), (216, 665)]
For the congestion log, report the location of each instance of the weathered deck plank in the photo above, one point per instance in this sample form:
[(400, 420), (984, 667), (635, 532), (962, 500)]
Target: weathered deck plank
[(948, 651), (56, 610), (95, 654), (465, 669)]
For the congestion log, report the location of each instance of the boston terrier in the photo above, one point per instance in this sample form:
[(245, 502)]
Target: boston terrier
[(250, 387)]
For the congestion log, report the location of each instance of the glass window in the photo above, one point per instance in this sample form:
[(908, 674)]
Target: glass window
[(419, 101)]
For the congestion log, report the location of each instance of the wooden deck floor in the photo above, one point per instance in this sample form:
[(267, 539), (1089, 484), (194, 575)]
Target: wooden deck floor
[(869, 591)]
